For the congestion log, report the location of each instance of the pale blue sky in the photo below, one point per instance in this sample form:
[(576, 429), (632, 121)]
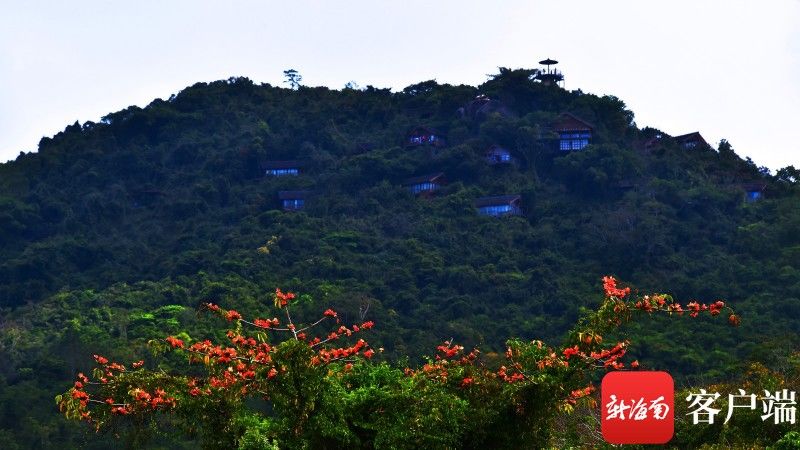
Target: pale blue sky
[(728, 68)]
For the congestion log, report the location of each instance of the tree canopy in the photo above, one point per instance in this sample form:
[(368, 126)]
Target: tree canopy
[(114, 232)]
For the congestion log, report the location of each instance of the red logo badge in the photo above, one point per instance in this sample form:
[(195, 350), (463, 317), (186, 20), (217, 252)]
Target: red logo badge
[(637, 407)]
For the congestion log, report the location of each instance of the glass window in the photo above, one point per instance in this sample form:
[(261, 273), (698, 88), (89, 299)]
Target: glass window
[(424, 187), (574, 140), (281, 172), (495, 210), (753, 195), (499, 210), (290, 204)]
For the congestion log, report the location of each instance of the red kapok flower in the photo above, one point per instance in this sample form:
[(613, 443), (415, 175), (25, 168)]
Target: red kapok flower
[(174, 342), (282, 299), (571, 351), (121, 410), (580, 393), (264, 323), (610, 287)]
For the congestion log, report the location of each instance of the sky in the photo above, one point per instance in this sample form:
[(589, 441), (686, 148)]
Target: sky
[(727, 68)]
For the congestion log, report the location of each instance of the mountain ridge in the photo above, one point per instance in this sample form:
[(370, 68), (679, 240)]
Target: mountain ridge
[(113, 232)]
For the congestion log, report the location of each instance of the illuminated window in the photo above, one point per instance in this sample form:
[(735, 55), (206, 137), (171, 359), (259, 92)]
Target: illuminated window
[(753, 195), (499, 210), (282, 172), (293, 204), (574, 140), (423, 187), (499, 156)]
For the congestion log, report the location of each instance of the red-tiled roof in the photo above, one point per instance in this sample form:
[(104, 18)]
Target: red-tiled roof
[(430, 178), (754, 186), (690, 137), (267, 165), (497, 148), (569, 122), (498, 200), (292, 195), (420, 130)]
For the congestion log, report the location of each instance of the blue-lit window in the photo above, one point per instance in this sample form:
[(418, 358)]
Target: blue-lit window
[(424, 187), (293, 204), (282, 172), (573, 140), (500, 156), (425, 139), (753, 195), (499, 210)]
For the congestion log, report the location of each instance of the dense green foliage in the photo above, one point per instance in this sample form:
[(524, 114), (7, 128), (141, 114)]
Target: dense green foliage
[(280, 384), (113, 232)]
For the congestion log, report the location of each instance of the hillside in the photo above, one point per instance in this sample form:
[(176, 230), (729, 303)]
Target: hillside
[(113, 232)]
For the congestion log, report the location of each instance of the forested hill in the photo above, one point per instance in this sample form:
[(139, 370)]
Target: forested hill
[(114, 231)]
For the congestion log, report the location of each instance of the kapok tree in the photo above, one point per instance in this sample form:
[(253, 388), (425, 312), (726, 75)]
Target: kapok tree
[(320, 393)]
